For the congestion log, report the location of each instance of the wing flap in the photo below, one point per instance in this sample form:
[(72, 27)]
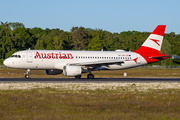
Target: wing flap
[(104, 62)]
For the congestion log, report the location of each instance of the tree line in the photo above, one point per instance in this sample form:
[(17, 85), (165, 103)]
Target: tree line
[(15, 37)]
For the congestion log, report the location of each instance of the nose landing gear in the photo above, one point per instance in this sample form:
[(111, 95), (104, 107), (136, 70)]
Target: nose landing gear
[(27, 73)]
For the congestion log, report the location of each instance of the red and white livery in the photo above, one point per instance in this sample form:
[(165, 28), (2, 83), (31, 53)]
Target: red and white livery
[(74, 63)]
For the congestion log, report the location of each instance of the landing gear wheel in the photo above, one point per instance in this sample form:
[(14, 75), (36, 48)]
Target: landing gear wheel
[(26, 76), (27, 73), (78, 77), (90, 76)]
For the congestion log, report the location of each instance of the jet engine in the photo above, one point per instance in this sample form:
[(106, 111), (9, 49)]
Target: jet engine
[(53, 72), (72, 70)]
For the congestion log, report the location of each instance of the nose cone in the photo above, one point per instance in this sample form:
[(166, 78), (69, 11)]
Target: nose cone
[(6, 62), (12, 63)]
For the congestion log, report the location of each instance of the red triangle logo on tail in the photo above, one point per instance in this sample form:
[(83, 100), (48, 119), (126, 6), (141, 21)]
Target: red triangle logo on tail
[(156, 41)]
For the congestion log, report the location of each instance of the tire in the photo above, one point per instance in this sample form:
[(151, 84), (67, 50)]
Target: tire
[(27, 76), (90, 76)]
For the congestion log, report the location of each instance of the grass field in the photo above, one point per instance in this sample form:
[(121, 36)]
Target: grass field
[(134, 72), (89, 101)]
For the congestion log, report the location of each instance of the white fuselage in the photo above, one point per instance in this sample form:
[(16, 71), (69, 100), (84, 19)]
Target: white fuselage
[(57, 59)]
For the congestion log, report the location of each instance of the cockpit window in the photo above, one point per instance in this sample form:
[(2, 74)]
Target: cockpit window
[(16, 56)]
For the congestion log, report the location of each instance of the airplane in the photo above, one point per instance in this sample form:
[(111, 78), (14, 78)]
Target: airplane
[(74, 63)]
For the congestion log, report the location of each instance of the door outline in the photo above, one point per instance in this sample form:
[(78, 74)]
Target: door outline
[(29, 57)]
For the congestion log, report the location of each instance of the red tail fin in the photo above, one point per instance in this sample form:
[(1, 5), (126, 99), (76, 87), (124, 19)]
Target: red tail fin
[(154, 41)]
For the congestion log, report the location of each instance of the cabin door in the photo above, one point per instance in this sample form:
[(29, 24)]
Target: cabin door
[(29, 57)]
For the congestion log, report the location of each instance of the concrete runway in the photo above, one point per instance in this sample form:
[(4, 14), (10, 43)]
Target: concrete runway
[(84, 80)]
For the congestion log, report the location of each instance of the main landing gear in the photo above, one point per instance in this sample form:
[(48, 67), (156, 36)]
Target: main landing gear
[(90, 76), (27, 73)]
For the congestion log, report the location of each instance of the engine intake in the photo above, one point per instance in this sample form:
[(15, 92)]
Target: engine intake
[(72, 70)]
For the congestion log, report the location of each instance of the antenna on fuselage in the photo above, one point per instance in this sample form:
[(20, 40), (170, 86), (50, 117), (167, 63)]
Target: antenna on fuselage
[(29, 49)]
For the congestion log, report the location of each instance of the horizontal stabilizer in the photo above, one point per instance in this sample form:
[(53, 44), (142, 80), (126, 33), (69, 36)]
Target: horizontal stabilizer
[(158, 57)]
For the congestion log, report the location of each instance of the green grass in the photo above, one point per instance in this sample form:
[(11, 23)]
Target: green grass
[(118, 103), (134, 72), (51, 103)]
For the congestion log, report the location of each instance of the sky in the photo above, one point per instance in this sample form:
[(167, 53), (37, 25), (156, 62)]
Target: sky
[(110, 15)]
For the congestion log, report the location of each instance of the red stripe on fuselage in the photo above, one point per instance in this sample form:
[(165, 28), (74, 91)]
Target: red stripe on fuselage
[(147, 52), (144, 49)]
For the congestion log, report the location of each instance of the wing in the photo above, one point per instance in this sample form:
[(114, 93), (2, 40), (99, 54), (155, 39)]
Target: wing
[(99, 63)]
